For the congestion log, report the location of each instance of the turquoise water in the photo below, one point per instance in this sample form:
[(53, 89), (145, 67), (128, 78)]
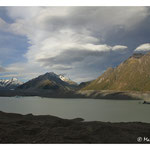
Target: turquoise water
[(89, 109)]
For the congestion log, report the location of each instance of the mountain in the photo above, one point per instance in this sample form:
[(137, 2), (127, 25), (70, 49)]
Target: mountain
[(131, 75), (9, 84), (84, 84), (49, 81), (67, 80)]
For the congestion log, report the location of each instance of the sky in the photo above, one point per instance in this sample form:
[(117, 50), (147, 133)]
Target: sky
[(80, 42)]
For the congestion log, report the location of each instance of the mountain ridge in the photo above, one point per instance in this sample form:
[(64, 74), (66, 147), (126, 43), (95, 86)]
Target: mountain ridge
[(131, 75), (9, 83), (50, 81)]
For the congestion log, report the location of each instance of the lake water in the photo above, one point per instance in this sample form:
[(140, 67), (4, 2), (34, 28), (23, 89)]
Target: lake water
[(89, 109)]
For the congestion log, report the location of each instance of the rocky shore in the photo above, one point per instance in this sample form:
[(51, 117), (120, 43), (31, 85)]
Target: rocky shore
[(16, 128)]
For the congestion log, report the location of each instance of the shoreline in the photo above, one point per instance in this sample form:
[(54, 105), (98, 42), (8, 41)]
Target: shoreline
[(17, 128), (116, 95)]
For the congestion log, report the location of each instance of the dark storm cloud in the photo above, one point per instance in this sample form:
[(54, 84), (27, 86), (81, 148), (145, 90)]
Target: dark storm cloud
[(70, 57), (85, 59), (137, 35)]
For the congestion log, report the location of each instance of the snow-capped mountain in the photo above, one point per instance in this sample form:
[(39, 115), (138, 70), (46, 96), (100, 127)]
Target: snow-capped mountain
[(51, 81), (65, 79), (9, 84)]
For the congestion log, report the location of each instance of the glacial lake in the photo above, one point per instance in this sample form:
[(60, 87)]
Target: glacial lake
[(88, 109)]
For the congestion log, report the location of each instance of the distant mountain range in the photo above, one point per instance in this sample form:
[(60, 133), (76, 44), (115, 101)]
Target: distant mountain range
[(49, 81), (9, 84), (131, 75)]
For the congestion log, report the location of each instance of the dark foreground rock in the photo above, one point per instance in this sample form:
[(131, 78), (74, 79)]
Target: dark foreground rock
[(16, 128)]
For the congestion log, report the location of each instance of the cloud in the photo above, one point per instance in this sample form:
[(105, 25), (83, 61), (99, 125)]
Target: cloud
[(61, 67), (71, 39), (3, 24), (143, 47), (18, 75), (2, 69), (119, 48), (79, 54)]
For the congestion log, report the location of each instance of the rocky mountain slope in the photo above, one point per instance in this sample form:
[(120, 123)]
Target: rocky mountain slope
[(84, 84), (131, 75), (49, 81), (9, 84)]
